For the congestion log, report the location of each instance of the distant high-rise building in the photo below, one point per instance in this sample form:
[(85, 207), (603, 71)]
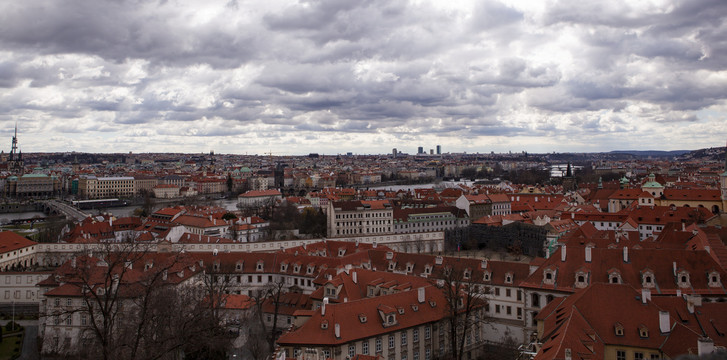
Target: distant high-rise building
[(439, 149), (431, 151), (393, 152), (420, 150)]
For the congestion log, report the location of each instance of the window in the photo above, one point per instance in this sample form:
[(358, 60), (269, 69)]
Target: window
[(655, 357), (391, 341), (351, 351), (69, 320), (365, 347), (415, 335), (83, 319), (509, 310), (427, 332), (69, 302), (57, 302), (497, 309), (327, 353), (403, 338), (508, 293), (497, 291), (620, 355), (638, 356), (378, 345), (519, 295), (427, 354)]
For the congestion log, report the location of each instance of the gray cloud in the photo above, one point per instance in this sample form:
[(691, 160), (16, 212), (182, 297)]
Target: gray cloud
[(312, 71)]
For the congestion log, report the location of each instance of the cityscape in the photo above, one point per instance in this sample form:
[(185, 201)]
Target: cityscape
[(363, 180), (429, 255)]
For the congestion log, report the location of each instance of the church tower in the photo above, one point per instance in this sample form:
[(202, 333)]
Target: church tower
[(15, 161)]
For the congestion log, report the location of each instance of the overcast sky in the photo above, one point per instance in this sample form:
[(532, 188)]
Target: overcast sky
[(286, 77)]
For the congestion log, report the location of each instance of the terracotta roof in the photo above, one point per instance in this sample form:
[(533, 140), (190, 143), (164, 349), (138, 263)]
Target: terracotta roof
[(10, 241)]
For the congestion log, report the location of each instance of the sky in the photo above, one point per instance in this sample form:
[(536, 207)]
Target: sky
[(362, 76)]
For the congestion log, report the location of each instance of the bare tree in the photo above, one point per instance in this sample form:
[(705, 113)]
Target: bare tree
[(466, 300), (270, 296), (134, 304)]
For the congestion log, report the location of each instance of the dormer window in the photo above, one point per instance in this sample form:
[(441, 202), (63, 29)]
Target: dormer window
[(467, 273), (296, 268), (415, 307), (549, 276), (362, 318), (713, 279), (341, 252), (391, 265), (647, 280), (487, 276), (428, 269), (216, 266), (324, 324), (618, 329), (259, 266), (508, 278), (409, 267), (283, 267), (683, 279), (401, 310), (614, 278), (643, 331), (390, 319), (238, 266), (309, 270), (581, 279)]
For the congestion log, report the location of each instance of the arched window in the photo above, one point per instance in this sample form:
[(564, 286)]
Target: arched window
[(536, 300)]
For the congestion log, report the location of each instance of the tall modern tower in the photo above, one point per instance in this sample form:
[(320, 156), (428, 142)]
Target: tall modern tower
[(420, 150), (439, 149)]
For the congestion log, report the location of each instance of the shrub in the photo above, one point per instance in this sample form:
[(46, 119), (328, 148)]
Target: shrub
[(12, 325)]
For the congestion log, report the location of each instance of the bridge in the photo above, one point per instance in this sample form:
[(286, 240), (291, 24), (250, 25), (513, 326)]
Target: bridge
[(68, 211)]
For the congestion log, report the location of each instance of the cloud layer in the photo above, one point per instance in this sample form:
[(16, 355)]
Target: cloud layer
[(363, 76)]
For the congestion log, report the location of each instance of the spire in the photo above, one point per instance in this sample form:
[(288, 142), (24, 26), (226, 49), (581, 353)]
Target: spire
[(568, 172)]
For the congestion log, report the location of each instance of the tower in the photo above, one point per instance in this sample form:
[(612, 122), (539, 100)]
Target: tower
[(15, 161)]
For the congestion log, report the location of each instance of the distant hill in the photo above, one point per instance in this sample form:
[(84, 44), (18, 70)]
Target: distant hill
[(652, 153), (706, 155)]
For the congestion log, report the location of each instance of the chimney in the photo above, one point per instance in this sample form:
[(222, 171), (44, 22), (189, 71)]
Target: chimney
[(664, 325), (645, 295), (674, 267), (420, 295), (483, 264), (705, 346), (323, 307), (588, 254), (679, 292), (562, 253), (354, 277), (626, 254), (337, 330), (374, 245), (438, 260), (164, 275), (572, 215), (111, 222), (389, 255), (684, 227), (568, 354)]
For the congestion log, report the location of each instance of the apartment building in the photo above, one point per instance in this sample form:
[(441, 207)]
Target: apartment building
[(92, 187), (359, 217)]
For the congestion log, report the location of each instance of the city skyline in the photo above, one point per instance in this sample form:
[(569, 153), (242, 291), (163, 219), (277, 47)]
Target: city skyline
[(292, 78)]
